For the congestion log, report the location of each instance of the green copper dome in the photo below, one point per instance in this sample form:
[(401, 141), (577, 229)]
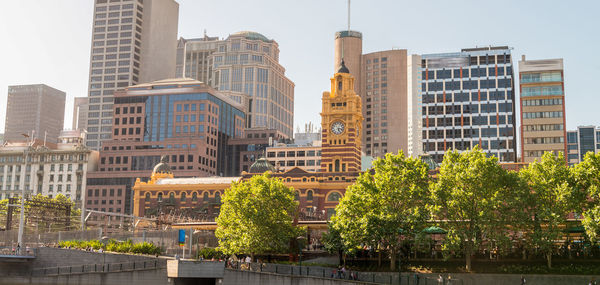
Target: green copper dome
[(431, 164), (261, 166), (162, 167), (252, 36)]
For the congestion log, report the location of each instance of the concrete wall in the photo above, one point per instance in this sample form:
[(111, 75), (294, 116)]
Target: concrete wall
[(143, 277), (52, 257), (235, 277)]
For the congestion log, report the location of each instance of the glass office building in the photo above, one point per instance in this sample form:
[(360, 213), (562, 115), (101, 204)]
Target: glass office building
[(581, 141), (468, 100)]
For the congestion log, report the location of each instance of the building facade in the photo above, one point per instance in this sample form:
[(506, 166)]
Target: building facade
[(581, 141), (184, 119), (36, 110), (133, 41), (286, 157), (245, 66), (468, 100), (318, 192), (80, 109), (414, 105), (542, 108), (382, 83), (49, 172), (248, 149)]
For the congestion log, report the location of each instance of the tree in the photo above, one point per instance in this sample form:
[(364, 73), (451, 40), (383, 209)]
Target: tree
[(257, 217), (586, 175), (385, 206), (333, 243), (550, 201), (466, 200)]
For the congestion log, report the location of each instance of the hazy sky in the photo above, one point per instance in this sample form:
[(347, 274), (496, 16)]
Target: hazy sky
[(48, 41)]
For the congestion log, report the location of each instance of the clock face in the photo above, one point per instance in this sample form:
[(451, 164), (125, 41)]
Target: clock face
[(337, 128)]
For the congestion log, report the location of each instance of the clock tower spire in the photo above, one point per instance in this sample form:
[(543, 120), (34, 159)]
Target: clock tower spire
[(341, 122)]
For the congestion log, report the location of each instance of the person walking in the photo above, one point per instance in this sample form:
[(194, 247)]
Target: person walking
[(440, 279), (523, 280)]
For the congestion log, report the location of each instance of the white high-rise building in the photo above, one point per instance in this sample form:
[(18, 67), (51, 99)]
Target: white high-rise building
[(133, 42)]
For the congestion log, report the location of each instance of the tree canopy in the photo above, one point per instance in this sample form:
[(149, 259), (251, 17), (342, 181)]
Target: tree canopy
[(586, 175), (466, 199), (382, 208), (257, 216)]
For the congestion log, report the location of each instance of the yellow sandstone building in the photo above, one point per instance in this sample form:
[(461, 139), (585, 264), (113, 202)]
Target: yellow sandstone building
[(318, 192)]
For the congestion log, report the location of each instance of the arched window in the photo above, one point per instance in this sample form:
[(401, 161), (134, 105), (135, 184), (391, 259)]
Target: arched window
[(334, 197), (159, 198), (194, 197), (183, 197), (205, 197), (147, 197), (171, 197), (218, 197), (337, 165), (309, 195)]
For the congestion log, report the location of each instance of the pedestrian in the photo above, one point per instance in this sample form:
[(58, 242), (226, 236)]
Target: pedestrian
[(343, 272), (449, 280), (333, 273), (440, 279), (416, 279), (523, 280), (339, 271), (18, 249), (248, 259)]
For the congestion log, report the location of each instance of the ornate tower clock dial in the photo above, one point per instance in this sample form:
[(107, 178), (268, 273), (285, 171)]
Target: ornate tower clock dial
[(338, 128)]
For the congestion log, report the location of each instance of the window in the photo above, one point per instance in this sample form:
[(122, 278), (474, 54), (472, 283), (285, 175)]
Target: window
[(334, 197)]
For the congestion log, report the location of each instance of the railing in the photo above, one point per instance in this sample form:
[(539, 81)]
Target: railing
[(97, 268), (18, 251), (321, 272)]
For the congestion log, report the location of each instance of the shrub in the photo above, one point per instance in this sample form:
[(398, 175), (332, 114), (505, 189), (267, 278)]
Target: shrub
[(208, 253)]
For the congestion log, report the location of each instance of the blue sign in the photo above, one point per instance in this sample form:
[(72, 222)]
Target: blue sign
[(181, 237)]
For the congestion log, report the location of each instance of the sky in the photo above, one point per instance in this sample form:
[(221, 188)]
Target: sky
[(48, 42)]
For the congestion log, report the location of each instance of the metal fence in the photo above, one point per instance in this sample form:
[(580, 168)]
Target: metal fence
[(97, 268), (168, 240)]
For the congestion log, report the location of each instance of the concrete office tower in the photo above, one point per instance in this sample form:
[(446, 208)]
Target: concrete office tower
[(581, 141), (415, 136), (384, 98), (80, 110), (381, 82), (542, 108), (38, 108), (468, 100), (133, 42), (348, 44), (245, 67)]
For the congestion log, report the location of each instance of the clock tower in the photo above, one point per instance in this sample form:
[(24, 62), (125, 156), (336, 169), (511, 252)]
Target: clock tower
[(341, 123)]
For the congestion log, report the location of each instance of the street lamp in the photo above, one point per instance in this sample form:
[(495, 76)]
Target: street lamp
[(22, 218), (299, 240)]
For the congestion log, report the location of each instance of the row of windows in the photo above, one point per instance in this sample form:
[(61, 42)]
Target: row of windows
[(376, 60), (538, 153), (542, 102), (42, 158), (467, 109), (466, 85), (464, 145), (542, 90), (467, 97), (468, 133), (467, 121), (554, 76), (548, 140), (104, 193), (191, 129), (130, 110), (465, 73), (538, 115), (545, 127), (300, 153), (132, 120), (61, 167)]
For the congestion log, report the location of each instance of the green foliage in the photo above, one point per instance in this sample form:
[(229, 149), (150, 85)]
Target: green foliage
[(382, 208), (257, 217), (114, 246), (209, 253), (549, 202), (469, 197), (571, 269), (586, 176)]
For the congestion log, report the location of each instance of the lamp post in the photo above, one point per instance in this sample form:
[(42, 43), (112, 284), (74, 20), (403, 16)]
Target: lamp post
[(22, 216), (299, 239)]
